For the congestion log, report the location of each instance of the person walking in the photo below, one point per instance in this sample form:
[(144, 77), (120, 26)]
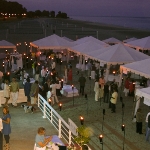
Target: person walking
[(6, 92), (14, 89), (139, 119), (6, 126), (82, 82), (27, 89), (114, 100)]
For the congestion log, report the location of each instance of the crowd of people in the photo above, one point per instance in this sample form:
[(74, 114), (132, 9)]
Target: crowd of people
[(48, 82)]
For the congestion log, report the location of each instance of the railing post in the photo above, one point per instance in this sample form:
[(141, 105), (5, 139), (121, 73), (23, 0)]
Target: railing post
[(44, 111), (59, 129), (69, 142), (38, 100)]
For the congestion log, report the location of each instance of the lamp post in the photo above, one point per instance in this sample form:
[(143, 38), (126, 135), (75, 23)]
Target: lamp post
[(60, 106), (26, 47), (50, 101), (114, 73), (73, 93), (87, 103), (20, 46), (60, 66), (62, 83), (81, 120), (103, 118), (90, 83), (123, 129), (101, 140)]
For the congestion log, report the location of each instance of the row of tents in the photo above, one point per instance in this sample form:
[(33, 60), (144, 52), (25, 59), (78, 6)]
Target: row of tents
[(120, 53)]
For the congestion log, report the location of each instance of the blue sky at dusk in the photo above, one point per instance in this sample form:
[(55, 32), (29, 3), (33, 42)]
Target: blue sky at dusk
[(137, 8)]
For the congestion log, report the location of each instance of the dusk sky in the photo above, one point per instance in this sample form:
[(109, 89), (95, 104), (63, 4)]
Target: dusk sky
[(134, 8)]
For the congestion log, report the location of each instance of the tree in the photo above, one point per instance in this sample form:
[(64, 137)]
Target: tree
[(45, 13), (52, 14), (38, 13)]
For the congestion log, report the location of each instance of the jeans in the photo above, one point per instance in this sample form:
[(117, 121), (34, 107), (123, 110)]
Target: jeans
[(148, 134), (106, 97), (82, 90), (113, 107)]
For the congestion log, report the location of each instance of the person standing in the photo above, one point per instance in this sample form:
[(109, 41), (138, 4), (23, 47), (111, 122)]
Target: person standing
[(126, 86), (65, 74), (6, 92), (96, 90), (53, 86), (102, 82), (1, 135), (148, 130), (106, 93), (27, 89), (34, 92), (82, 82), (139, 119), (70, 75), (43, 74), (37, 73), (6, 126), (114, 100), (14, 89)]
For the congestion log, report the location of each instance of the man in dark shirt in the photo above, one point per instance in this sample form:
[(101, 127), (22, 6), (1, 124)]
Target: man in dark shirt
[(106, 93), (82, 81)]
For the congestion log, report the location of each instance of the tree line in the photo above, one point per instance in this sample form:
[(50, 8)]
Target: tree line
[(14, 9)]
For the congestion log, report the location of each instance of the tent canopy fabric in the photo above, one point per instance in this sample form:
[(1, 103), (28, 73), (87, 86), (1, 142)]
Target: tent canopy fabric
[(89, 39), (143, 44), (119, 54), (6, 44), (140, 67), (64, 37), (129, 40), (51, 42), (86, 47), (144, 92), (112, 40)]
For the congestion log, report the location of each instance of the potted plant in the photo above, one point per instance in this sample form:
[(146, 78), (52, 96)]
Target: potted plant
[(83, 136)]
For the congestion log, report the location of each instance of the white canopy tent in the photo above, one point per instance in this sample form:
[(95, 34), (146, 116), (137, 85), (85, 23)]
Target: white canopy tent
[(141, 68), (118, 54), (86, 47), (144, 92), (143, 44), (89, 39), (112, 40), (129, 40), (52, 42), (6, 44)]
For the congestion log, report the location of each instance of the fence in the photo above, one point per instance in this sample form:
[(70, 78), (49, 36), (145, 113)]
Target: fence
[(64, 130)]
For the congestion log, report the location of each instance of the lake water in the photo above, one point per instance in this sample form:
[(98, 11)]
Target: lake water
[(131, 22)]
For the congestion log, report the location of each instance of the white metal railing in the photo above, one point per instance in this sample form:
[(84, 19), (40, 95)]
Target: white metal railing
[(56, 120), (64, 130)]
